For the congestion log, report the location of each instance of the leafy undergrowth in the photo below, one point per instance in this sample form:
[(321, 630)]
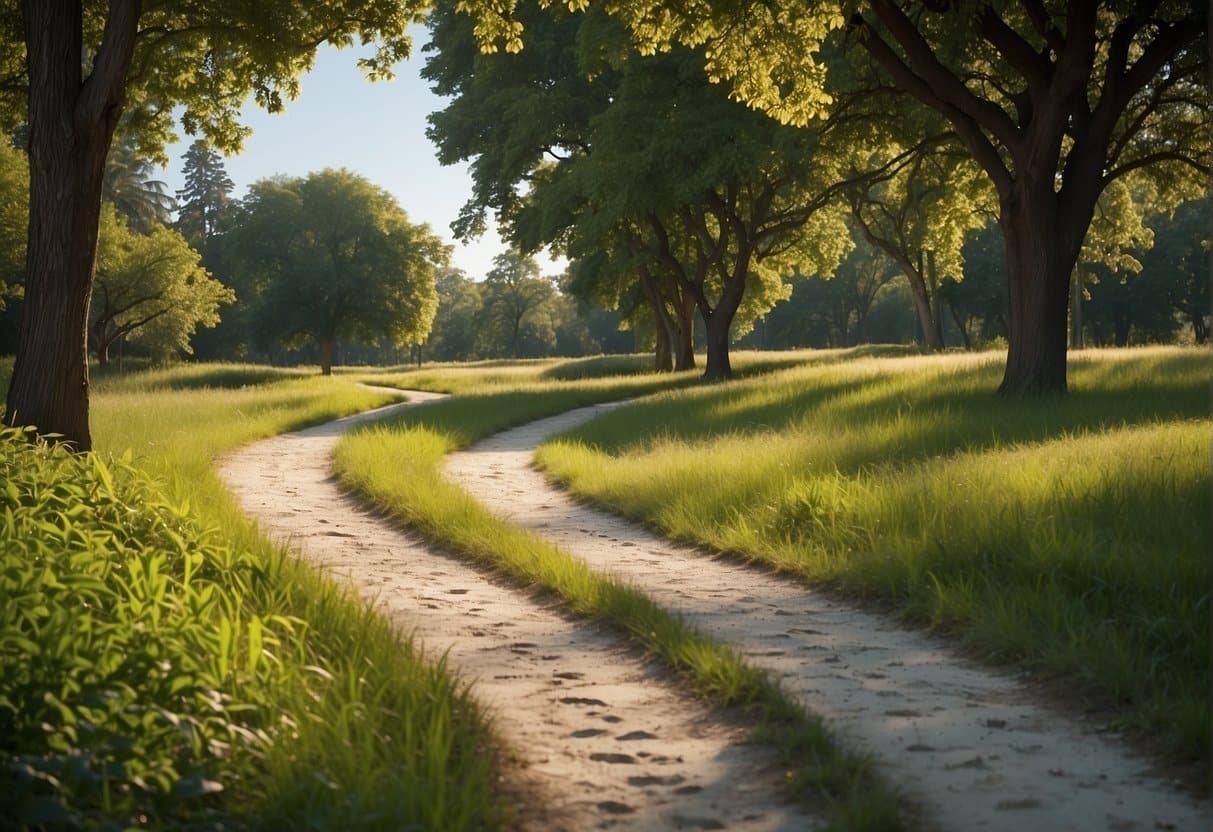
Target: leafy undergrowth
[(162, 664), (397, 466), (1067, 534)]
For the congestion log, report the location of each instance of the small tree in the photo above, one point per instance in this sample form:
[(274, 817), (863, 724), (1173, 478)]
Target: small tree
[(335, 257), (149, 289)]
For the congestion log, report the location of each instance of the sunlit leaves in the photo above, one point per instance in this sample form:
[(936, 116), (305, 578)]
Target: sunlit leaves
[(112, 600)]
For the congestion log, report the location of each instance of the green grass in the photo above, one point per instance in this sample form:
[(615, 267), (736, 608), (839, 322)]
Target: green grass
[(309, 710), (396, 465), (1067, 534)]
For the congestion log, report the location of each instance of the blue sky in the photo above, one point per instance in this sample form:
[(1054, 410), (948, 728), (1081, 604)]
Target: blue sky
[(376, 130)]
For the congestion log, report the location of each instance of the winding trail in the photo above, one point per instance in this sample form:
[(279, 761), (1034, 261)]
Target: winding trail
[(969, 746), (606, 739)]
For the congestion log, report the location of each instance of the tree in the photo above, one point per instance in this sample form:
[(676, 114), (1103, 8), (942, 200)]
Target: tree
[(517, 307), (335, 257), (149, 289), (130, 187), (205, 207), (144, 61), (578, 144), (453, 333), (919, 218), (1179, 260), (1053, 101)]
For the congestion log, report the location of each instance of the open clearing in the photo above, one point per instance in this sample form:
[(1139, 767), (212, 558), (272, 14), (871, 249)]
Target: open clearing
[(605, 738), (608, 740)]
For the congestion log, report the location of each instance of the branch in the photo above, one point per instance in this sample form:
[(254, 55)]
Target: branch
[(967, 129), (1034, 66), (102, 92), (941, 80)]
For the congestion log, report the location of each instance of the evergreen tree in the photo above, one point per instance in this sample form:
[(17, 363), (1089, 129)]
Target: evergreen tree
[(205, 207)]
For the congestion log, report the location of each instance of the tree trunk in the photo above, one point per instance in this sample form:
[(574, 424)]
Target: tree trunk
[(1121, 324), (684, 355), (1039, 283), (328, 347), (717, 332), (927, 324), (1076, 312), (663, 357), (960, 325), (71, 123)]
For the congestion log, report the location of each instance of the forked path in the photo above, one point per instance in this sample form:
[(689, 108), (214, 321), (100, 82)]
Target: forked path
[(967, 745), (605, 738)]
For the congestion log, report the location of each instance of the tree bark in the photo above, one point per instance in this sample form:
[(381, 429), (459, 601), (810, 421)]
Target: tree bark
[(663, 356), (1038, 300), (328, 347), (684, 355), (717, 337), (71, 124)]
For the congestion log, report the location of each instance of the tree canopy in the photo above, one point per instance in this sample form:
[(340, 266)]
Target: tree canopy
[(331, 256), (1054, 102), (150, 290)]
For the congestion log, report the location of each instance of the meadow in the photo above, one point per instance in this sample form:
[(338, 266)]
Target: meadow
[(1066, 535), (210, 679)]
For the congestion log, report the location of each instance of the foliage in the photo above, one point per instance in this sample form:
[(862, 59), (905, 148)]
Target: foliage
[(207, 60), (1052, 102), (1067, 535), (130, 187), (332, 256), (131, 665), (639, 164), (14, 219), (518, 307), (149, 289), (333, 724)]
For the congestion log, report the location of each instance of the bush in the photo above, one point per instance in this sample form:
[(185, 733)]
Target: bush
[(130, 667)]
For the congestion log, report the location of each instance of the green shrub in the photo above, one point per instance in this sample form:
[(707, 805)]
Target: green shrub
[(130, 667)]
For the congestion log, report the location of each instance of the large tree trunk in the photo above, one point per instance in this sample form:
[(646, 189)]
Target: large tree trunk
[(71, 123), (717, 337), (1039, 270)]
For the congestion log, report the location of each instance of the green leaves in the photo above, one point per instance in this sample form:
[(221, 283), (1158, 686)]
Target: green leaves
[(120, 622)]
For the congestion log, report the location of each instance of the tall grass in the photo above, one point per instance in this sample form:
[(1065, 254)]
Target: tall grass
[(396, 465), (1068, 534), (332, 720)]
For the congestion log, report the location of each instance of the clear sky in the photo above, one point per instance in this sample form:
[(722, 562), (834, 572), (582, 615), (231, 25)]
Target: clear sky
[(376, 130)]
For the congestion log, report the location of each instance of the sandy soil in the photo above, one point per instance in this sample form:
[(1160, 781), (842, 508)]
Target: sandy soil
[(968, 746), (606, 739)]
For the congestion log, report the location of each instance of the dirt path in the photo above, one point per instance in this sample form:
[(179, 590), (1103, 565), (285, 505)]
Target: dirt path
[(966, 744), (606, 740)]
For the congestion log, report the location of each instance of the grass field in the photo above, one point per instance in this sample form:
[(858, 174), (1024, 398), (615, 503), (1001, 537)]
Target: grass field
[(1067, 534), (306, 711)]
